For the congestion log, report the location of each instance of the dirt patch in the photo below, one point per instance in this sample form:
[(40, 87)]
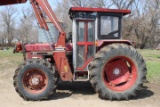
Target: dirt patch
[(77, 94)]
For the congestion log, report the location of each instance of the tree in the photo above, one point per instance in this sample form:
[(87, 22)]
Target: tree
[(88, 3), (8, 17), (153, 11), (27, 31), (141, 26), (123, 4), (2, 38)]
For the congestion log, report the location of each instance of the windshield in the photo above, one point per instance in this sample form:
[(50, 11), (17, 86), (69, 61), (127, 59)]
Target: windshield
[(109, 27)]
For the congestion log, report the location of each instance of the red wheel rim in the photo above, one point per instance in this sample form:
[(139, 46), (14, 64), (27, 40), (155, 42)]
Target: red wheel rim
[(120, 73), (35, 81)]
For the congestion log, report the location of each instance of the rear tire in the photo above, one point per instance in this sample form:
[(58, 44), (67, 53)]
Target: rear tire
[(117, 71), (35, 80)]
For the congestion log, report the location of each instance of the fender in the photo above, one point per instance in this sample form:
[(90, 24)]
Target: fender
[(101, 43)]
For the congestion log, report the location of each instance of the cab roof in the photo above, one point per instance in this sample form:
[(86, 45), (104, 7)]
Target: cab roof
[(9, 2), (103, 10)]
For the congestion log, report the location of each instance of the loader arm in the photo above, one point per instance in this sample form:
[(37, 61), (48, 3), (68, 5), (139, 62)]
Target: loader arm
[(59, 54), (10, 2)]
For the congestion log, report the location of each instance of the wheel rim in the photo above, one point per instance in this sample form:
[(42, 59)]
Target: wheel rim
[(120, 73), (35, 81)]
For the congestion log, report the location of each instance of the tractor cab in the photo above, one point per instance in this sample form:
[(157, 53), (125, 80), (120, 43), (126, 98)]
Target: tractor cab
[(92, 27), (106, 22)]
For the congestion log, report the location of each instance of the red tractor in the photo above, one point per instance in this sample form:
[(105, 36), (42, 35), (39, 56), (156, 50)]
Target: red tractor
[(96, 54)]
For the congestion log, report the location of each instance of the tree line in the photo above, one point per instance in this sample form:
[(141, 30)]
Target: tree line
[(17, 25), (142, 26)]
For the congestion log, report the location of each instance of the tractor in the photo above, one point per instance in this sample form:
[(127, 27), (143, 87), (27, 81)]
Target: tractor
[(96, 53)]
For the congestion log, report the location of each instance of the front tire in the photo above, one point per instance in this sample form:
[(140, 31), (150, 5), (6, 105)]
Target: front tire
[(117, 71), (35, 80)]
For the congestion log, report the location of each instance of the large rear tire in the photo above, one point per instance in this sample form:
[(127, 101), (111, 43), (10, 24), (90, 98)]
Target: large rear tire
[(117, 71), (35, 80)]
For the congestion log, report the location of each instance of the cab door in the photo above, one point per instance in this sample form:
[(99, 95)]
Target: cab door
[(85, 43)]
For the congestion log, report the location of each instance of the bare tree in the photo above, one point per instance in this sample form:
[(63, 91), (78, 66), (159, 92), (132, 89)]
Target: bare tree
[(26, 31), (8, 17), (141, 26), (2, 38), (93, 3), (153, 11), (88, 3), (122, 4)]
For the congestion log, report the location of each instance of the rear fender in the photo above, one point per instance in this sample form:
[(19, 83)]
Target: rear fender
[(101, 43)]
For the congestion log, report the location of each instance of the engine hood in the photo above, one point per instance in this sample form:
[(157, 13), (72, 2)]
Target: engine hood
[(41, 47)]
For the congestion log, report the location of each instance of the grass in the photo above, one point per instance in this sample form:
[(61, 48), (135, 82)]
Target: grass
[(153, 70), (152, 58), (8, 59), (150, 54), (8, 54)]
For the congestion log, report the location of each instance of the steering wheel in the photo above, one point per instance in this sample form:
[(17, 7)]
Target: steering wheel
[(112, 33)]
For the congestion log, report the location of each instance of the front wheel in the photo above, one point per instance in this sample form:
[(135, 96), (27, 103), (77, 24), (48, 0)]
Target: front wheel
[(117, 71), (35, 80)]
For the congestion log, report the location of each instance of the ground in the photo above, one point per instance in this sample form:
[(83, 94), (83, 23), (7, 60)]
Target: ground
[(69, 94)]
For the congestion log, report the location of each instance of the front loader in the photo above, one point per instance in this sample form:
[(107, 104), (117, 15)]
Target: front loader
[(96, 54)]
